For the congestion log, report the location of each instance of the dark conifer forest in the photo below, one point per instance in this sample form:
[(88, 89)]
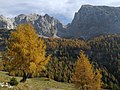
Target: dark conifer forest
[(103, 52)]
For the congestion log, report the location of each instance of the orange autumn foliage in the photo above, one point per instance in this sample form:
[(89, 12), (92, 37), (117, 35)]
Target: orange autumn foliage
[(26, 51), (85, 78)]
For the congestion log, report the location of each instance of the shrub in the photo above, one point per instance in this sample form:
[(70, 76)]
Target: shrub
[(13, 82)]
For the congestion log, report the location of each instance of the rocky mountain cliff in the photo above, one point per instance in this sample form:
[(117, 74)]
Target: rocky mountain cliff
[(45, 25), (6, 23), (91, 21), (88, 22)]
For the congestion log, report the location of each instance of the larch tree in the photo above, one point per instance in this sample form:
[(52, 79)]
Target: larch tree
[(85, 77), (26, 51)]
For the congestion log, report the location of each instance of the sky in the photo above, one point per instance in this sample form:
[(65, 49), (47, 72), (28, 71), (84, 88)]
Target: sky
[(62, 10)]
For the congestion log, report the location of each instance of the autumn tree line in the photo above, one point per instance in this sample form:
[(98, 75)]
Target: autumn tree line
[(61, 59)]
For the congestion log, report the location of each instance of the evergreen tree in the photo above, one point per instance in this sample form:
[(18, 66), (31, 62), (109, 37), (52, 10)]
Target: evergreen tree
[(85, 78), (26, 51)]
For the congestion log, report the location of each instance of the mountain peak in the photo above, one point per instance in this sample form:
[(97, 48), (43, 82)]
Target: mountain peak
[(45, 25), (86, 5), (91, 21)]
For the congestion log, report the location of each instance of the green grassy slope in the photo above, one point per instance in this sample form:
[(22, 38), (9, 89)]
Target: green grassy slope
[(35, 84)]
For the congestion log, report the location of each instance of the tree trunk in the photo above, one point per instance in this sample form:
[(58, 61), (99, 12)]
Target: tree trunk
[(24, 77)]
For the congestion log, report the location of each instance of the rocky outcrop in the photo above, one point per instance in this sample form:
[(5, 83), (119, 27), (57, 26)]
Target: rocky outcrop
[(48, 26), (91, 21), (6, 23)]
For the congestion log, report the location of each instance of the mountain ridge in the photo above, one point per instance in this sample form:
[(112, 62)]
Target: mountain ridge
[(88, 22), (44, 25)]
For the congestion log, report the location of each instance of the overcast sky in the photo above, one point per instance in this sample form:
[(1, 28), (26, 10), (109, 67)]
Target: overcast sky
[(61, 9)]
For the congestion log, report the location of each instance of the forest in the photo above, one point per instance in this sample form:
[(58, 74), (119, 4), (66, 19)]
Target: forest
[(102, 51)]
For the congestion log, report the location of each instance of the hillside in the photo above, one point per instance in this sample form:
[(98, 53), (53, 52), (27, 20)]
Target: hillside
[(103, 51), (35, 84)]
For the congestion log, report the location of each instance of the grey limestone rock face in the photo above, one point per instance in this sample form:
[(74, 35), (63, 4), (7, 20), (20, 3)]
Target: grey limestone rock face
[(48, 26), (44, 25), (91, 21), (6, 22)]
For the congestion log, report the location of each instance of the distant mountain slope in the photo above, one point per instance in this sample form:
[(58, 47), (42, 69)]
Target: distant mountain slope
[(45, 25), (91, 21)]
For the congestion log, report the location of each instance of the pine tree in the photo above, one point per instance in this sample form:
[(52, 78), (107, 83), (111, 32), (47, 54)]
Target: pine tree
[(85, 78), (26, 51)]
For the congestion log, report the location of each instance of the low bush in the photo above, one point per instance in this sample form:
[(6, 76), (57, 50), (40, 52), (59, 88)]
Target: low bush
[(13, 82)]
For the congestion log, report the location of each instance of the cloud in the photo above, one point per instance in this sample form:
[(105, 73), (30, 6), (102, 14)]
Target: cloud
[(62, 9)]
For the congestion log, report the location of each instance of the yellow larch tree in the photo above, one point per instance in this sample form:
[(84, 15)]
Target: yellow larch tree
[(26, 51), (85, 77)]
